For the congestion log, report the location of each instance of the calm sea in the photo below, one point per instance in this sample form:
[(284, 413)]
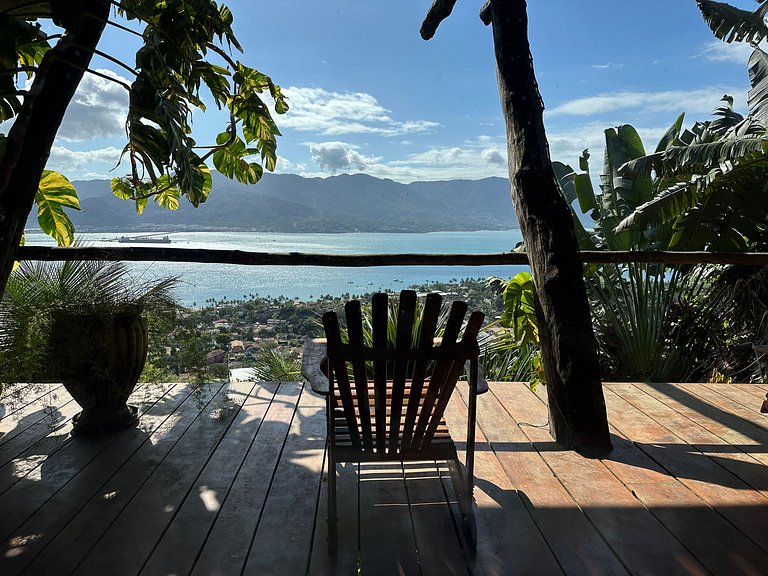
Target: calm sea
[(203, 281)]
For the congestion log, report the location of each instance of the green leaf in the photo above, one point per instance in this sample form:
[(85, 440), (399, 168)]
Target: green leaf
[(671, 135), (729, 23), (122, 188), (582, 185), (55, 187), (167, 196), (54, 193), (54, 222), (520, 309), (757, 97), (140, 204), (230, 161)]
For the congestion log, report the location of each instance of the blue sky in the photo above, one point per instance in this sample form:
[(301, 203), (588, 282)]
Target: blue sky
[(367, 94)]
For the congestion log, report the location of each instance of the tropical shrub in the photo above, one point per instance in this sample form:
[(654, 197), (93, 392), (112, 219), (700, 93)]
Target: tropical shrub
[(38, 291), (274, 365)]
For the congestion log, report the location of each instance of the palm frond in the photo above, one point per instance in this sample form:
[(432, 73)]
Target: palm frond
[(274, 365), (668, 205), (704, 156), (643, 166)]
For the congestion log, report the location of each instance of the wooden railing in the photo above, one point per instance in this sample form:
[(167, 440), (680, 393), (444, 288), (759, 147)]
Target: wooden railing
[(206, 256)]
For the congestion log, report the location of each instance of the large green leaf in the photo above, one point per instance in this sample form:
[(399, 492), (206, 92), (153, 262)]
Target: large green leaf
[(54, 193), (730, 23), (757, 97), (671, 135), (520, 309), (230, 160)]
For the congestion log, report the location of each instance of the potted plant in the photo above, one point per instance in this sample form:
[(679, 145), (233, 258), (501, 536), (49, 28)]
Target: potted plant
[(82, 324)]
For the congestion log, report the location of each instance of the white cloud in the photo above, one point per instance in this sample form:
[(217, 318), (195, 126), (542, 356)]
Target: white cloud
[(84, 165), (335, 113), (471, 160), (718, 51), (607, 66), (701, 101), (339, 157), (285, 166), (97, 110), (495, 156)]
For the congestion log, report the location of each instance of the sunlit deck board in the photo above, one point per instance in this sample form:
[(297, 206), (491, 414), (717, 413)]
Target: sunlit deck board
[(684, 490)]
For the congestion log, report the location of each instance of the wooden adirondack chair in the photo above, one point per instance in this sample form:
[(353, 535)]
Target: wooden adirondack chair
[(397, 414)]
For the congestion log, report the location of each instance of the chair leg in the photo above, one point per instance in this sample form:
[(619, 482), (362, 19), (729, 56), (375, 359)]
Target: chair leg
[(332, 515), (463, 490)]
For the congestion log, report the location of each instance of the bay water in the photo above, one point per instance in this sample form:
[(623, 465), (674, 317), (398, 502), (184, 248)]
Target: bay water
[(201, 282)]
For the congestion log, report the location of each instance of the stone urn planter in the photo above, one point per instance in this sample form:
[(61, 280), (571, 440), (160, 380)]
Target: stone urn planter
[(99, 360), (82, 324)]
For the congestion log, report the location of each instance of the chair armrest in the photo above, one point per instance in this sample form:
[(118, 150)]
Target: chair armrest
[(314, 365), (482, 384)]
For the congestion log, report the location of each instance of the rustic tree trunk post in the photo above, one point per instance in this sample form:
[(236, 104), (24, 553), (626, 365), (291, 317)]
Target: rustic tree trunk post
[(34, 130), (576, 405)]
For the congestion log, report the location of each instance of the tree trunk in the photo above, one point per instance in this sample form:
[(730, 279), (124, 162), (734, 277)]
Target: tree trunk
[(33, 132), (576, 405)]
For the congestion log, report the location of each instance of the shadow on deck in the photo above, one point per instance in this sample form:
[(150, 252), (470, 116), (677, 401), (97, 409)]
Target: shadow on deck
[(232, 482)]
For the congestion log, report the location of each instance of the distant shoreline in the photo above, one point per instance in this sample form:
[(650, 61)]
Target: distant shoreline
[(137, 230)]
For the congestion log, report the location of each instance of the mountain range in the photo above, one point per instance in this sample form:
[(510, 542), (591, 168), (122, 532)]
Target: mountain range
[(291, 203)]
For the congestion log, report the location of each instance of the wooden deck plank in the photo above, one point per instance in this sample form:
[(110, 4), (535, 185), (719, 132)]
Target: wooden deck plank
[(27, 449), (20, 410), (152, 509), (716, 485), (679, 493), (56, 461), (750, 396), (289, 514), (226, 547), (70, 547), (175, 553), (756, 390), (729, 419), (46, 521), (718, 478), (742, 455), (508, 540), (713, 540), (437, 540), (346, 559), (627, 526), (387, 541), (576, 544)]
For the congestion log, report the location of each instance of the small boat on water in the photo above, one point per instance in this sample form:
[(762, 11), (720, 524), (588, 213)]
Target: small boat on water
[(145, 239)]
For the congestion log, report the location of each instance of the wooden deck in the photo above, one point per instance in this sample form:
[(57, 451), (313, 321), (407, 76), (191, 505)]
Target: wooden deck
[(237, 488)]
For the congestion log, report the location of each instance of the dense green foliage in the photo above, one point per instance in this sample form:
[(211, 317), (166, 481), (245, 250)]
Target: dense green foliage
[(184, 62), (39, 293)]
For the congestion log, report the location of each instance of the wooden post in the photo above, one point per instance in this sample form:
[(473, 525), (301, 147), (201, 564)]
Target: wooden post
[(33, 132), (576, 405)]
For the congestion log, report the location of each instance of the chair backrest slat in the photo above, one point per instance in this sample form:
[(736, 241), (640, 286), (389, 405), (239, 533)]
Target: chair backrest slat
[(339, 370), (379, 316), (474, 324), (405, 419), (406, 313), (355, 335), (441, 371), (427, 329)]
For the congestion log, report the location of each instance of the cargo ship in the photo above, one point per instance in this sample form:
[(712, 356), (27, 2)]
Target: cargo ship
[(145, 239)]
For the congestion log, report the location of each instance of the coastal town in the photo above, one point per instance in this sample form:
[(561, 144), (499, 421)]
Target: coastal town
[(235, 332)]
